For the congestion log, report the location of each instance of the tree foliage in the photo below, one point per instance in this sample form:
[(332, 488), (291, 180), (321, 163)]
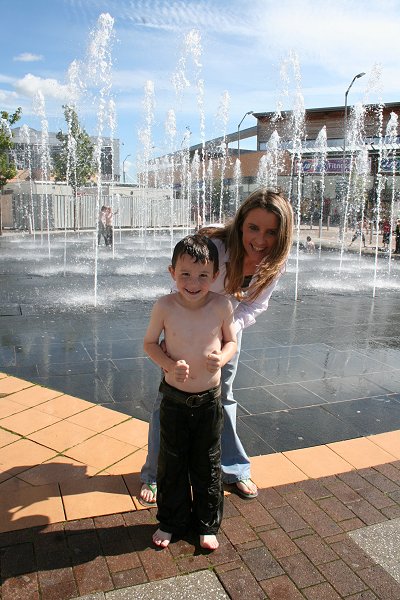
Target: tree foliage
[(7, 167), (74, 163)]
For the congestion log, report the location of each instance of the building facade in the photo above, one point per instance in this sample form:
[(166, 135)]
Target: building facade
[(307, 156), (30, 147)]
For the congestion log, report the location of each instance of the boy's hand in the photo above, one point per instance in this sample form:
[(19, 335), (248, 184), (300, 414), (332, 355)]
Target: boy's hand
[(181, 371), (213, 362)]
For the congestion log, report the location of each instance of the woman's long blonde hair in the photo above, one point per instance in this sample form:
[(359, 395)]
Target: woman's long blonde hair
[(231, 235)]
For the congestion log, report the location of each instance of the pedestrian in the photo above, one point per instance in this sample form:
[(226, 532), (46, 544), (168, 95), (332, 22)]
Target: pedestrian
[(199, 338), (109, 226), (358, 232), (253, 249), (310, 246), (386, 234), (101, 226), (397, 234)]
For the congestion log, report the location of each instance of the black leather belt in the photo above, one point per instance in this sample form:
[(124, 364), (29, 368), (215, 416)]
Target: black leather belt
[(190, 400)]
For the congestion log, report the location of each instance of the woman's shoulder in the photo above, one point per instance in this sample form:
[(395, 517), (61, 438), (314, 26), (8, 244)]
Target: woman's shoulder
[(222, 251), (219, 300)]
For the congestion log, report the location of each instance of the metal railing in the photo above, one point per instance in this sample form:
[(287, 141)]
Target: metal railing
[(52, 211)]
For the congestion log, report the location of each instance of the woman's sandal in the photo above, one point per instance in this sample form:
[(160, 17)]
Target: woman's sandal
[(153, 489), (246, 495)]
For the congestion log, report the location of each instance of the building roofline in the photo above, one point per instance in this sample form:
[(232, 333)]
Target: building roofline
[(324, 109)]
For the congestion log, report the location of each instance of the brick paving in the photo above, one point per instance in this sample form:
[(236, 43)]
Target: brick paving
[(290, 543)]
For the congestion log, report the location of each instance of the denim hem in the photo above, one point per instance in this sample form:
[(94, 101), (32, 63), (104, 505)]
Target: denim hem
[(235, 478)]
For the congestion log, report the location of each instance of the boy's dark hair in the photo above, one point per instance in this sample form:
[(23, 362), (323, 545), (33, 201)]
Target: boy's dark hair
[(199, 247)]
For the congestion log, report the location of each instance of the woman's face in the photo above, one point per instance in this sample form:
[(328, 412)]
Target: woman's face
[(259, 233)]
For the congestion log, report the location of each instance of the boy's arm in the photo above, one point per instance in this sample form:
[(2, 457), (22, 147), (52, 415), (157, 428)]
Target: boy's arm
[(152, 347), (216, 360), (151, 339)]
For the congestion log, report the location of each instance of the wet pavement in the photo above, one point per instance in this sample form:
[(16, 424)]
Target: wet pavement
[(319, 379)]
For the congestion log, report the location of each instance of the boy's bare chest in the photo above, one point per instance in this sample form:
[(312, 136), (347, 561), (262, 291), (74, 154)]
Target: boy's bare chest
[(200, 324)]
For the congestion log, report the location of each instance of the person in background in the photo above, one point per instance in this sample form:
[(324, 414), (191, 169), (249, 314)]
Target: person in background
[(397, 234), (385, 234), (109, 225), (101, 226), (310, 246), (253, 249), (358, 232)]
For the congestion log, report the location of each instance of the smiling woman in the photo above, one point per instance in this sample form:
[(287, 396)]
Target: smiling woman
[(253, 249)]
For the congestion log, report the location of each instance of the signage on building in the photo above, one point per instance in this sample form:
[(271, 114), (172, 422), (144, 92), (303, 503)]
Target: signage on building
[(331, 166), (390, 165)]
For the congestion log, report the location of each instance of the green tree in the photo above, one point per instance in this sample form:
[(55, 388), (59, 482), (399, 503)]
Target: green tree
[(7, 167), (74, 162)]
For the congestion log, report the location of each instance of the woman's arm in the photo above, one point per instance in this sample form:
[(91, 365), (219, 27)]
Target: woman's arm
[(247, 311), (217, 359)]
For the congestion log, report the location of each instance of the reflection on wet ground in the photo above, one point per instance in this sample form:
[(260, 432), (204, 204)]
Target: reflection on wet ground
[(322, 368)]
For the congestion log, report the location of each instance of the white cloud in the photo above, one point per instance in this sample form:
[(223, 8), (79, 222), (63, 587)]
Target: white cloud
[(180, 15), (29, 85), (8, 98), (335, 35), (6, 79), (28, 57)]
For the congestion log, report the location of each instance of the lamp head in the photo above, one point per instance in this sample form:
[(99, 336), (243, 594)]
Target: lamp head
[(360, 75)]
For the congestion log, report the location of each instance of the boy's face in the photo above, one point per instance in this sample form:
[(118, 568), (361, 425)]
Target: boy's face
[(193, 279)]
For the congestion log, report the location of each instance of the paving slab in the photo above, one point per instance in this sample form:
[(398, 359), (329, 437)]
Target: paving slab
[(202, 585), (382, 543)]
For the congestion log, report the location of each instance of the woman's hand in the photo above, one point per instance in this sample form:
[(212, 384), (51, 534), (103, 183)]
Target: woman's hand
[(213, 361), (181, 371)]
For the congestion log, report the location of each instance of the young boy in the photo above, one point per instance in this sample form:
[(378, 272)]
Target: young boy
[(199, 339), (310, 246)]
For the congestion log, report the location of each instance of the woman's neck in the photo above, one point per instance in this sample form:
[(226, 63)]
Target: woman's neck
[(249, 267)]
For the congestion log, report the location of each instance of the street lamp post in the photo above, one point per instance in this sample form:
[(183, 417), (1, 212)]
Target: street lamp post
[(123, 168), (344, 150), (250, 112)]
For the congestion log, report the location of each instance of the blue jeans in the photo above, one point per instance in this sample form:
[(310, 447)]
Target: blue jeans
[(235, 462)]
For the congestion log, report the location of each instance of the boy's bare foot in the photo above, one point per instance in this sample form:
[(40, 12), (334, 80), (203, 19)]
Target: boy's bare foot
[(162, 538), (209, 542), (148, 494)]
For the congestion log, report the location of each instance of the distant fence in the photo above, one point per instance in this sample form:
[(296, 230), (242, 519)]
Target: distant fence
[(146, 208)]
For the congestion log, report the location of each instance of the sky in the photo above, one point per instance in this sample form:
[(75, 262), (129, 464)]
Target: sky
[(161, 74)]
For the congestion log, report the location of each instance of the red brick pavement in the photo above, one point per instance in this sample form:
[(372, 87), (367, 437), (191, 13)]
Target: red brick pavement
[(290, 543)]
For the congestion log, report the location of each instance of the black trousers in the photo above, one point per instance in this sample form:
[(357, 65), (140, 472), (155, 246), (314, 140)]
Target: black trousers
[(101, 233), (189, 481), (109, 235)]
